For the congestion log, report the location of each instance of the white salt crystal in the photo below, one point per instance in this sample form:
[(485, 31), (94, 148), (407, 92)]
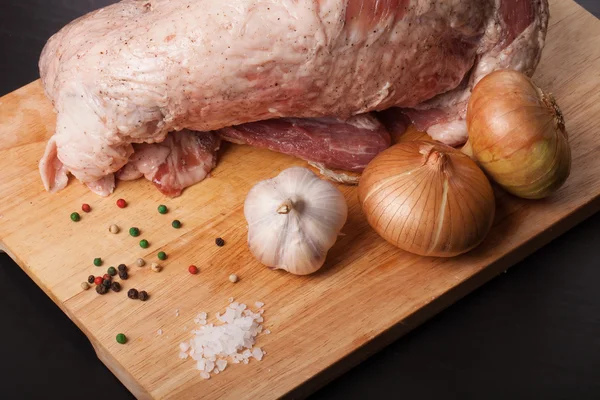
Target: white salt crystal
[(183, 355), (177, 312), (159, 332), (221, 364), (231, 299), (259, 304), (232, 340), (257, 353), (267, 332), (210, 365)]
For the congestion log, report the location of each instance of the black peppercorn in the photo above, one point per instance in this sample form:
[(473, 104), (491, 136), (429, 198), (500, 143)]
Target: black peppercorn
[(219, 242), (116, 287), (101, 289), (106, 283), (143, 296), (123, 275), (132, 294), (91, 279), (122, 267)]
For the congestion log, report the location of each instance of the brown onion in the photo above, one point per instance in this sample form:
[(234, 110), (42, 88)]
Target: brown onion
[(427, 198), (517, 135)]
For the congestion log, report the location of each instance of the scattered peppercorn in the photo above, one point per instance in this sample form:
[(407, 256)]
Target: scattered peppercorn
[(75, 217), (91, 279), (101, 289), (121, 338), (155, 267), (140, 262), (219, 242), (114, 229), (233, 278), (144, 244), (132, 294), (193, 269), (85, 285), (107, 276), (106, 282), (162, 209), (86, 208), (143, 296), (122, 267), (97, 261), (176, 224), (162, 255), (121, 203), (112, 271), (123, 274), (134, 231), (98, 280), (115, 286)]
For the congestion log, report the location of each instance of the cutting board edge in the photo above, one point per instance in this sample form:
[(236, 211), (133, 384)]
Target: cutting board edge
[(444, 301)]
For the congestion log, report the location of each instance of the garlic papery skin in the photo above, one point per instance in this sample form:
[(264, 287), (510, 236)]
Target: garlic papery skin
[(293, 220)]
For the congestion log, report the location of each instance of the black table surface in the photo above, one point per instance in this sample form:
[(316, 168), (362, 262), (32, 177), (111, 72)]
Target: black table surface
[(533, 332)]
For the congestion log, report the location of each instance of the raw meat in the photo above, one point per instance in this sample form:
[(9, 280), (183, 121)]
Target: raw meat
[(347, 145), (181, 160), (136, 70)]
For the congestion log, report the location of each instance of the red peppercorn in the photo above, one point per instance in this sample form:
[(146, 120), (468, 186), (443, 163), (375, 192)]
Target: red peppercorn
[(98, 280), (121, 203), (193, 269), (86, 207), (107, 276)]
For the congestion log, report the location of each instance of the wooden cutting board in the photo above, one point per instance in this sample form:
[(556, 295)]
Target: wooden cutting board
[(368, 294)]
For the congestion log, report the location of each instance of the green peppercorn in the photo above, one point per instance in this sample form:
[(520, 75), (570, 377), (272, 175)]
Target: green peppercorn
[(122, 267), (162, 255), (115, 286), (97, 261), (134, 231), (162, 209), (91, 279), (143, 296), (144, 244), (75, 217), (112, 271), (176, 224), (121, 338)]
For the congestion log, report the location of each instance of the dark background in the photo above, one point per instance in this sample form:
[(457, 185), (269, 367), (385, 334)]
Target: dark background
[(532, 333)]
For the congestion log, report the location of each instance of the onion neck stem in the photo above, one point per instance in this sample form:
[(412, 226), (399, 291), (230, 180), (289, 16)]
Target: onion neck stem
[(285, 207)]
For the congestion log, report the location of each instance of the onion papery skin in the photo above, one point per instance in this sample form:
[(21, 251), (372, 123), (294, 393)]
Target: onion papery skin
[(517, 135), (427, 198)]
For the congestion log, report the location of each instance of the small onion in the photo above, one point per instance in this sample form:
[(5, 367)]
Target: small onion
[(427, 198), (517, 135)]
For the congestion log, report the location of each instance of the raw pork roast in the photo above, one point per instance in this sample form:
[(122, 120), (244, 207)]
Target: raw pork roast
[(123, 77)]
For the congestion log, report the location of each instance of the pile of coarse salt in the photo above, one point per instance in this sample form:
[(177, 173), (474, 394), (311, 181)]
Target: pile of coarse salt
[(213, 346)]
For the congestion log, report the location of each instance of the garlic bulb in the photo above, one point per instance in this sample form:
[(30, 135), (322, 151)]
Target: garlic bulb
[(293, 220)]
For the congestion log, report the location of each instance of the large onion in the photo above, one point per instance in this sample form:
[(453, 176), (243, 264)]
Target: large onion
[(427, 198), (517, 135)]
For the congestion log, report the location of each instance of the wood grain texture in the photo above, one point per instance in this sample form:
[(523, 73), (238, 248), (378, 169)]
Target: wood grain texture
[(368, 294)]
